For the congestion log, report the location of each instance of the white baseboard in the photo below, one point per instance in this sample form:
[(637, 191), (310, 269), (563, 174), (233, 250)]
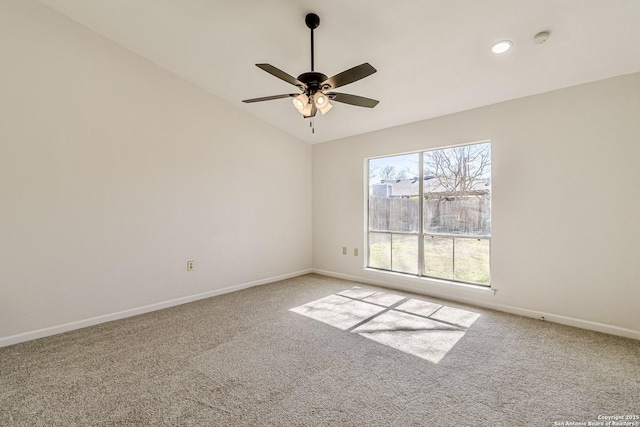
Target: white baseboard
[(66, 327), (550, 317)]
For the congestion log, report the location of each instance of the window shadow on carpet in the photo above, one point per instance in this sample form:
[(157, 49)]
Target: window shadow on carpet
[(420, 328)]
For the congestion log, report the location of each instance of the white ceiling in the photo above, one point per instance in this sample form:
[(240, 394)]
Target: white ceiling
[(433, 56)]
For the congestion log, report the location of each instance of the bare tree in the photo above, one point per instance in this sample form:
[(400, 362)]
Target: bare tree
[(461, 173), (373, 171), (402, 173), (387, 173), (459, 169)]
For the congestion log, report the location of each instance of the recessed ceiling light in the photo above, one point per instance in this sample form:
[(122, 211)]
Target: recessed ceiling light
[(501, 46)]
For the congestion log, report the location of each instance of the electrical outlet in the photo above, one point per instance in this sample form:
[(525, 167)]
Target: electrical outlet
[(344, 250), (191, 265), (355, 251)]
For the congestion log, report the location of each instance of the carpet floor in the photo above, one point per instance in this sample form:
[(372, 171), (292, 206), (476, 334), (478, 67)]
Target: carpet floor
[(318, 351)]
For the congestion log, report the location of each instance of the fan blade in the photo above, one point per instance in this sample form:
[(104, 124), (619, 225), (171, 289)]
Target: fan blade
[(281, 75), (269, 98), (351, 75), (356, 100)]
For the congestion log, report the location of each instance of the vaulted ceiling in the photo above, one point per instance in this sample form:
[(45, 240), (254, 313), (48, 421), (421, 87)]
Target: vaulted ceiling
[(433, 56)]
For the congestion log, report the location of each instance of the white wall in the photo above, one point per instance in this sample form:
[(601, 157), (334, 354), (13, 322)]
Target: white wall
[(565, 203), (114, 173)]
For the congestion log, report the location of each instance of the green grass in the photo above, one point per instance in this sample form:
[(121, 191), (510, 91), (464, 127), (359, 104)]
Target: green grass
[(438, 257), (472, 261), (405, 254), (380, 251), (471, 257)]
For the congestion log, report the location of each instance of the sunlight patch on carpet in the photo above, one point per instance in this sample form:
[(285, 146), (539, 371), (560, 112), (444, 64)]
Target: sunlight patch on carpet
[(420, 328), (338, 311)]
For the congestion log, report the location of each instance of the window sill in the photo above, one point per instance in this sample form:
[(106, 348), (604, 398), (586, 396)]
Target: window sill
[(445, 284)]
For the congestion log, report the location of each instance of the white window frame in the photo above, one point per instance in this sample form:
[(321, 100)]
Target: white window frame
[(421, 235)]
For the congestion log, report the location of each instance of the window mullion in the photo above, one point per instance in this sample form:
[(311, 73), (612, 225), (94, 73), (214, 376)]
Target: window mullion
[(391, 251), (420, 214), (453, 258)]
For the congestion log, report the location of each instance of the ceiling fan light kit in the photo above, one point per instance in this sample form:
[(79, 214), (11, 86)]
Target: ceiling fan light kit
[(316, 88)]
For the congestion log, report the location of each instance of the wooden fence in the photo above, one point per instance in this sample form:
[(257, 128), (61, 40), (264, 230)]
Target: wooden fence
[(444, 215)]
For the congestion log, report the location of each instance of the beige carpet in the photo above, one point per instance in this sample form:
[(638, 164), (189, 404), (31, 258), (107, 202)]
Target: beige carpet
[(320, 351)]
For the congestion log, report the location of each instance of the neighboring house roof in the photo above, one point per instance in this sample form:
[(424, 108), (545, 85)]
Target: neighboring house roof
[(410, 187)]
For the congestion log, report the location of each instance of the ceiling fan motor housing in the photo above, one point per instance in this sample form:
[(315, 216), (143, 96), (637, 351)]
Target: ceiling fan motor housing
[(312, 81)]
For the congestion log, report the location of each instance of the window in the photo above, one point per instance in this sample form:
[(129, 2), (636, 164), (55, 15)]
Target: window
[(430, 213)]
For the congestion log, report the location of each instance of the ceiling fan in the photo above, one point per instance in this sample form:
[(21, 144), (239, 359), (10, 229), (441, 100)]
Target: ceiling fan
[(316, 89)]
